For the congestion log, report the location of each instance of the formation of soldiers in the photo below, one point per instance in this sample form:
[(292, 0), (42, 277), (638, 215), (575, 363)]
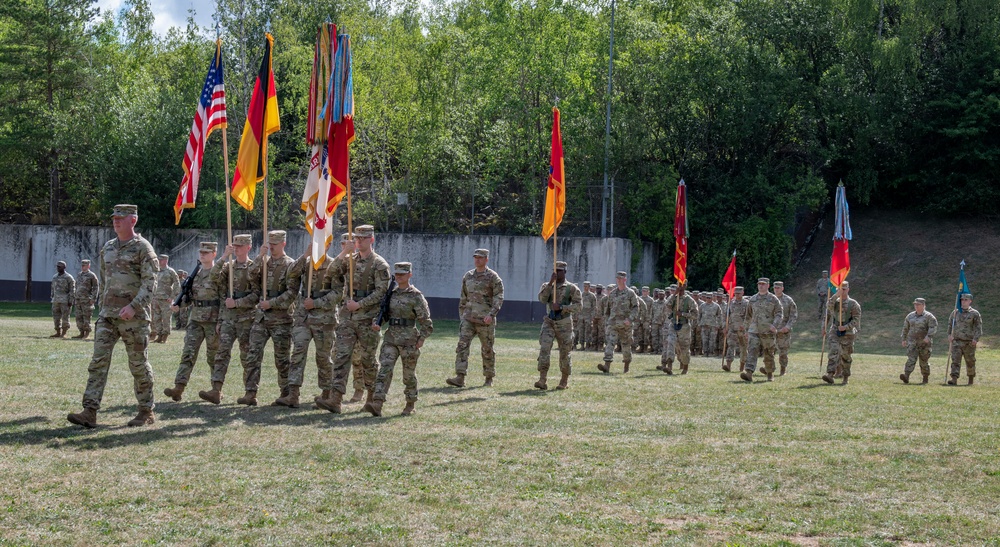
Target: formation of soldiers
[(349, 304)]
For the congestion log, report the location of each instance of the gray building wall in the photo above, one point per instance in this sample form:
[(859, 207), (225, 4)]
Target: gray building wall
[(439, 261)]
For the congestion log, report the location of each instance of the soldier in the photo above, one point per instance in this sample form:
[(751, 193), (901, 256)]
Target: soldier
[(657, 319), (482, 296), (620, 311), (720, 299), (845, 320), (789, 314), (709, 317), (409, 320), (597, 324), (167, 287), (646, 339), (182, 314), (668, 336), (237, 313), (272, 319), (202, 326), (88, 289), (315, 319), (128, 267), (965, 326), (557, 324), (763, 317), (584, 320), (682, 312), (354, 333), (919, 328), (822, 292), (62, 289), (736, 338)]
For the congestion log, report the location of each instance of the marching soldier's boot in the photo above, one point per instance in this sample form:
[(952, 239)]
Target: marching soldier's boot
[(87, 418), (827, 378), (844, 381), (249, 399), (684, 369), (746, 376), (660, 366), (57, 334), (333, 404), (375, 407), (408, 409), (62, 332), (144, 417), (728, 366), (564, 381), (215, 395), (839, 372), (540, 384), (457, 381), (370, 397), (605, 368), (953, 381), (627, 363), (163, 337), (324, 395), (905, 378), (770, 376), (81, 335), (284, 392), (86, 334), (291, 400), (176, 392), (356, 398), (488, 382), (927, 377), (783, 367), (972, 380)]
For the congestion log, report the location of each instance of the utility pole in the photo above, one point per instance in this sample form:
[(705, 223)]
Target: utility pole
[(607, 126)]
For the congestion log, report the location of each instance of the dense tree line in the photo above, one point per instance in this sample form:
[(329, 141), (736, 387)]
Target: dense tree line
[(762, 106)]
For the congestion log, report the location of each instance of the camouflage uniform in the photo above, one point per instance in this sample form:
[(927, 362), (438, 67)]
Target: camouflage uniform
[(657, 318), (764, 312), (318, 324), (167, 287), (710, 318), (822, 293), (597, 326), (409, 324), (88, 290), (583, 323), (128, 269), (620, 306), (916, 327), (679, 314), (206, 298), (789, 314), (647, 331), (482, 295), (640, 326), (841, 347), (62, 290), (965, 327), (274, 323), (558, 326), (235, 323), (720, 299), (736, 338), (184, 312)]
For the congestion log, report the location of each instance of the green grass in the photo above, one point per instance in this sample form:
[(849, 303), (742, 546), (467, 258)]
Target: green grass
[(622, 459)]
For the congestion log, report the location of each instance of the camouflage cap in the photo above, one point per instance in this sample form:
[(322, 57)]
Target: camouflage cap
[(645, 287), (763, 281), (967, 296), (277, 236), (738, 289), (61, 263), (365, 230), (611, 286), (402, 268), (481, 253), (779, 284), (85, 262), (586, 283), (208, 247), (621, 275), (243, 239), (163, 256), (345, 237), (673, 287), (826, 271), (919, 301), (560, 265), (182, 273), (599, 288), (124, 210), (657, 291), (845, 285)]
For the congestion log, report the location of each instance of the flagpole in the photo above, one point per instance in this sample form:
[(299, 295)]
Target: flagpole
[(309, 280), (350, 231), (554, 236), (225, 164), (725, 333)]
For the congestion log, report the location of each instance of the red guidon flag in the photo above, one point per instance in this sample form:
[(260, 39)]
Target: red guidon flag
[(555, 195), (681, 235), (729, 280), (262, 120)]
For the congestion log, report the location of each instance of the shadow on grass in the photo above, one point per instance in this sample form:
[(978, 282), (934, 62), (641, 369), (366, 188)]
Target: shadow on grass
[(460, 401), (534, 392)]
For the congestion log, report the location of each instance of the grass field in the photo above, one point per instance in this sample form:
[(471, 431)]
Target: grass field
[(622, 459)]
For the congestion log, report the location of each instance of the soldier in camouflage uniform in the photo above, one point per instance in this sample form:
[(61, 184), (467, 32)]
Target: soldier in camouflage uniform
[(128, 267), (582, 322), (482, 296), (557, 325), (167, 287), (763, 317), (965, 326), (657, 318), (237, 313), (206, 297), (597, 323), (646, 321), (409, 324), (845, 320), (919, 328), (736, 338), (668, 336), (720, 337), (822, 293), (63, 288), (88, 290), (621, 309), (315, 319), (709, 317), (682, 312), (789, 314), (180, 316), (354, 334), (272, 319), (696, 325)]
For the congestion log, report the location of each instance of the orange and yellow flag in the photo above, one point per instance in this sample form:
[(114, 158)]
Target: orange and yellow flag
[(555, 196), (262, 120)]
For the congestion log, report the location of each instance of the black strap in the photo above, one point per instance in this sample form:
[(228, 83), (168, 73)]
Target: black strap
[(399, 322), (206, 303)]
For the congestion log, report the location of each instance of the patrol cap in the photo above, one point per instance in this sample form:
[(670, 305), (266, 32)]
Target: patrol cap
[(645, 287), (967, 296), (276, 236), (845, 285), (673, 287), (365, 230), (85, 262), (124, 210), (481, 253), (657, 291), (763, 280), (61, 263), (738, 289), (345, 237), (182, 273), (919, 301), (621, 275), (826, 271), (162, 256), (585, 283), (243, 239), (611, 286), (402, 268), (560, 265), (779, 284), (208, 247)]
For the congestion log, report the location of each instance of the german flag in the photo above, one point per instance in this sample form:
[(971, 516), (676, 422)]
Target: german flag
[(262, 120)]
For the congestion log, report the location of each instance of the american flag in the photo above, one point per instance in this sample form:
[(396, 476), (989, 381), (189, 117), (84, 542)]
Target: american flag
[(211, 114)]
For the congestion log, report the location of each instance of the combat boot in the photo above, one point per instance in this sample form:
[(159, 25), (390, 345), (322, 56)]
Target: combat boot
[(249, 399), (627, 363), (215, 395), (87, 418), (80, 336), (457, 381), (408, 409), (563, 381), (953, 381), (783, 367), (770, 376), (605, 368), (660, 366), (144, 417), (163, 338), (728, 367), (827, 378), (488, 382), (905, 378), (375, 407), (370, 397), (324, 395), (58, 333), (843, 382), (684, 369), (747, 376), (291, 400), (540, 384), (62, 332), (926, 379), (332, 404), (86, 334), (972, 380), (176, 392), (356, 398), (284, 392)]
